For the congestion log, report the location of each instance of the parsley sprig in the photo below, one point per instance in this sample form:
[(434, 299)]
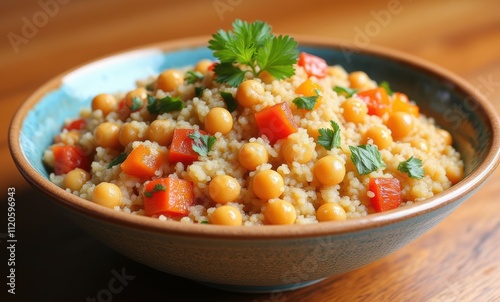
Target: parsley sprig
[(412, 167), (345, 91), (166, 104), (118, 160), (202, 143), (329, 138), (252, 45), (366, 158)]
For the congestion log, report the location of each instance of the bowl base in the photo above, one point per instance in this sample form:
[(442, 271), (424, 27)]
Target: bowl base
[(249, 289)]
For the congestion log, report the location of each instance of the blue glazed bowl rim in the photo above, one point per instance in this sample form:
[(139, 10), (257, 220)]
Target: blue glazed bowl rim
[(456, 194)]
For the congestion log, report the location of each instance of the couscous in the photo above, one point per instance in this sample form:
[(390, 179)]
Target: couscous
[(265, 134)]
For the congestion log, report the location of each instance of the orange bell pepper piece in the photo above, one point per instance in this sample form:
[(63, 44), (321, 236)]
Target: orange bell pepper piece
[(168, 196), (142, 162), (276, 122)]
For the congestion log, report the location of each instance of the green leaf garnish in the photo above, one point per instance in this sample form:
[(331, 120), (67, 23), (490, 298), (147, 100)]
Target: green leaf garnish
[(306, 102), (412, 167), (329, 138), (204, 222), (136, 103), (366, 158), (118, 160), (198, 91), (345, 91), (228, 98), (192, 76), (202, 143), (166, 104), (251, 47), (385, 85)]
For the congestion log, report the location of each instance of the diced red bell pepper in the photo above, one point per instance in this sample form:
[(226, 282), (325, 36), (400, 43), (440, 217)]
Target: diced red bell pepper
[(77, 124), (68, 157), (313, 65), (181, 149), (387, 193), (168, 196), (376, 100), (142, 162), (276, 122)]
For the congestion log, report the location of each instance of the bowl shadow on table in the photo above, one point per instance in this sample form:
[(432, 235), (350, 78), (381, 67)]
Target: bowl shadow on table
[(56, 260)]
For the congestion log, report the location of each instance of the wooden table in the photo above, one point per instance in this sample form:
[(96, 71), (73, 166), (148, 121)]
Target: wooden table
[(456, 261)]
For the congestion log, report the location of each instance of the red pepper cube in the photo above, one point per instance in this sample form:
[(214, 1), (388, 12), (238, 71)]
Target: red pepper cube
[(67, 158), (168, 196), (313, 65), (181, 149), (276, 122), (387, 193)]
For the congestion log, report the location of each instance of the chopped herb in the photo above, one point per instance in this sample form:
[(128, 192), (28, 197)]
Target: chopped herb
[(329, 138), (229, 100), (150, 86), (193, 76), (198, 91), (118, 160), (166, 104), (204, 222), (136, 103), (156, 188), (412, 167), (366, 158), (251, 47), (202, 144), (345, 91), (385, 85)]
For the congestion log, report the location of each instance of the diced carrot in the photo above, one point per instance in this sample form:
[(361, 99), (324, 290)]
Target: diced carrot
[(387, 193), (313, 65), (168, 196), (276, 122), (310, 88), (77, 124), (68, 157), (376, 100), (142, 162), (181, 149), (401, 102)]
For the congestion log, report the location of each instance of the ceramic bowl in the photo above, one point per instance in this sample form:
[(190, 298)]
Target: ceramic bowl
[(261, 258)]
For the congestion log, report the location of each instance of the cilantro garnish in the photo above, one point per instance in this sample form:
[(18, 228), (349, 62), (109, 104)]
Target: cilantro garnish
[(192, 76), (251, 47), (385, 85), (202, 143), (228, 98), (345, 91), (156, 188), (412, 167), (198, 91), (366, 158), (306, 102), (329, 138), (118, 160), (136, 103), (166, 104)]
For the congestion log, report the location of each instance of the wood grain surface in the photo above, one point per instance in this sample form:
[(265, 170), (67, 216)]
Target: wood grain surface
[(456, 261)]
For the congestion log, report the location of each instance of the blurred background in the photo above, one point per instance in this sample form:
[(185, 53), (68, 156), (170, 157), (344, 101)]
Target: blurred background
[(43, 38)]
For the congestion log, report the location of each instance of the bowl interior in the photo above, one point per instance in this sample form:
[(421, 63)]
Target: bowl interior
[(453, 107)]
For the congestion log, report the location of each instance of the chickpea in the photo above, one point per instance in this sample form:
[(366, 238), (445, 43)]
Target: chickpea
[(107, 194), (202, 65), (224, 188), (75, 179), (293, 150), (358, 79), (128, 133), (330, 212), (104, 102), (454, 173), (280, 212), (161, 131), (220, 120), (401, 124), (106, 135), (226, 215), (268, 184), (329, 170), (266, 77), (169, 80), (355, 110), (252, 155), (135, 99), (448, 140), (249, 93), (380, 135), (420, 144)]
